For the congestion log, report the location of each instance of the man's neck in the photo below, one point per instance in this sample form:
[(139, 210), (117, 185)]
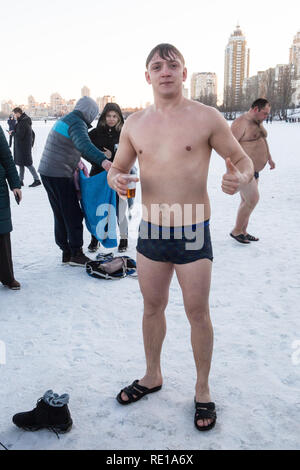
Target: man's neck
[(166, 104), (252, 117)]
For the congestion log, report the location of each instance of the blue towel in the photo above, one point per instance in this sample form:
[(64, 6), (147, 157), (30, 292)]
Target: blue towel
[(98, 202)]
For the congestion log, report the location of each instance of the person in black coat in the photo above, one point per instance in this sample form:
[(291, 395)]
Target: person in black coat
[(11, 128), (106, 137), (8, 172), (23, 135)]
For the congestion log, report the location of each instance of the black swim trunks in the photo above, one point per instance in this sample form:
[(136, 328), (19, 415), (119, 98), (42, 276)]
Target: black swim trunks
[(177, 245), (256, 175)]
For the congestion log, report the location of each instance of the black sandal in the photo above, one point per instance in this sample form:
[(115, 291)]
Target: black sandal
[(240, 238), (135, 392), (205, 411), (251, 238)]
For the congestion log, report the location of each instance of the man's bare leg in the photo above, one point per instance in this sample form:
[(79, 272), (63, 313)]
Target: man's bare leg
[(194, 279), (154, 279), (249, 199)]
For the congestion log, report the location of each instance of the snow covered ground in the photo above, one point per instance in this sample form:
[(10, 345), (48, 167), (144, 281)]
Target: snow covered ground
[(74, 334)]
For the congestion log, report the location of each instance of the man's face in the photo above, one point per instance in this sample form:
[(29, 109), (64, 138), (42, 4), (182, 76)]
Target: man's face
[(263, 113), (17, 115), (166, 76)]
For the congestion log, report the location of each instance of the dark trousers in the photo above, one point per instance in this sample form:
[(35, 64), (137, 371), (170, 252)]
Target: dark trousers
[(6, 265), (10, 140), (67, 212)]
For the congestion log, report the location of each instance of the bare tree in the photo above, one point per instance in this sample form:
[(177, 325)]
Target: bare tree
[(209, 99)]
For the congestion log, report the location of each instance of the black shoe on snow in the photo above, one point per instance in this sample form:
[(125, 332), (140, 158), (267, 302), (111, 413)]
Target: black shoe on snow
[(66, 257), (56, 418), (35, 183), (93, 246), (79, 259), (123, 245), (13, 285)]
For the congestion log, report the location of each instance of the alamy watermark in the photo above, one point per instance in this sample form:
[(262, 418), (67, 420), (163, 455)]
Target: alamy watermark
[(167, 222), (2, 353)]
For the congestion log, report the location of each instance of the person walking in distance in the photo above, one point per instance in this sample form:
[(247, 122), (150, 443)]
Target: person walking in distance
[(23, 142), (11, 128), (173, 140), (252, 136)]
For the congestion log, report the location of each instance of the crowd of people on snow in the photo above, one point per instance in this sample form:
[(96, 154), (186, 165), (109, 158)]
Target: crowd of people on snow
[(69, 140)]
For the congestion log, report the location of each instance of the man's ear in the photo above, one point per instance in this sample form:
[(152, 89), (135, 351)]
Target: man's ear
[(184, 75), (148, 79)]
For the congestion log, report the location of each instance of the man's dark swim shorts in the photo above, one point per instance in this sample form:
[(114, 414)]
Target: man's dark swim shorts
[(177, 245)]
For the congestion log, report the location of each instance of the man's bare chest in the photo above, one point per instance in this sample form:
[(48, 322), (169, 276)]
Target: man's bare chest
[(167, 141), (253, 132)]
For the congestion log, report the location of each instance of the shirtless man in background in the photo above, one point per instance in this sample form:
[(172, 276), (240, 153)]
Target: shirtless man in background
[(173, 140), (251, 134)]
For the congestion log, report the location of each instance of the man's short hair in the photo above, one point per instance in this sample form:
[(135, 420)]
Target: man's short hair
[(260, 103), (165, 51), (17, 110)]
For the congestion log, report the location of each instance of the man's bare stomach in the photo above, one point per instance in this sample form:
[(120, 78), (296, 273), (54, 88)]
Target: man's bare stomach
[(176, 211), (257, 151)]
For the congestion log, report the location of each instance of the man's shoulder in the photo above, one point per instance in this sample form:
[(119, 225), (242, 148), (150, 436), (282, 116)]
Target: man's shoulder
[(137, 115), (135, 118), (242, 119), (25, 119), (73, 118), (209, 112)]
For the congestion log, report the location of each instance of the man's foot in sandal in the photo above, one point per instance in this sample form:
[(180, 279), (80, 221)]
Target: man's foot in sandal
[(251, 238), (135, 392), (240, 238), (205, 416)]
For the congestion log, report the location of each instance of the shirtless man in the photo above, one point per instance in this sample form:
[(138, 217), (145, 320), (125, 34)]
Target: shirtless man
[(173, 140), (252, 136)]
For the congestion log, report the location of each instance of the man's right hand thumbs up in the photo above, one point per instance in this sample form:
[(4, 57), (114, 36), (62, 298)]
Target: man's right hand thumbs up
[(232, 179)]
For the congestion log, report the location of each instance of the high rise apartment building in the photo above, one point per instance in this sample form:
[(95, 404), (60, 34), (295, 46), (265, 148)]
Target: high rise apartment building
[(295, 62), (85, 91), (295, 54), (103, 100), (203, 84), (236, 69)]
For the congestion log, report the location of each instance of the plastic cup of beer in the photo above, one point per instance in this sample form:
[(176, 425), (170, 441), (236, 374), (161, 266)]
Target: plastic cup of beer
[(131, 186)]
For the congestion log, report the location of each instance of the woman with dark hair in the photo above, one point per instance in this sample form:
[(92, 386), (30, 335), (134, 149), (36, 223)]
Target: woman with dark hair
[(106, 137)]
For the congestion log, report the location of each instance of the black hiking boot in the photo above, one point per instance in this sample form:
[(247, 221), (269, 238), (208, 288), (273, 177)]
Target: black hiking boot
[(13, 285), (79, 259), (66, 257), (94, 245), (123, 245), (55, 418), (35, 183)]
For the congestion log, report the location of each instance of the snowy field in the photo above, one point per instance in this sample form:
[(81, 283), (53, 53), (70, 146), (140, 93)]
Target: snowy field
[(74, 334)]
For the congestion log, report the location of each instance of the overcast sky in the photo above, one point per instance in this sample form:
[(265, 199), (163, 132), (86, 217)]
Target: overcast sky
[(61, 45)]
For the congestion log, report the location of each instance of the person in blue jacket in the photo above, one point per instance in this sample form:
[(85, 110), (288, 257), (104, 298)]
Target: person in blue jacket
[(67, 141), (8, 173)]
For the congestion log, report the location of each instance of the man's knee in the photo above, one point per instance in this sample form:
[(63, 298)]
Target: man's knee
[(155, 306), (252, 201), (198, 315)]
